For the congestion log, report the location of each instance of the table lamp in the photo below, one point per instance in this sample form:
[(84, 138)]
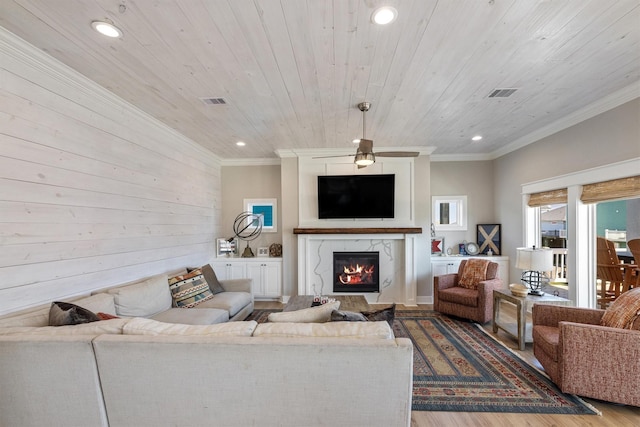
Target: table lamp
[(534, 262)]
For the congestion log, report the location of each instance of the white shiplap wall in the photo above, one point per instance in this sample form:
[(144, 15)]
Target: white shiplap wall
[(93, 192)]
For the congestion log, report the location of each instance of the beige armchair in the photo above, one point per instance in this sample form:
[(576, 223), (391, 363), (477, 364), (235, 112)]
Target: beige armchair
[(584, 358), (473, 302)]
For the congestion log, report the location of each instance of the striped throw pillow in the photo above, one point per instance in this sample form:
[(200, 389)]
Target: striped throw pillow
[(189, 290), (623, 311)]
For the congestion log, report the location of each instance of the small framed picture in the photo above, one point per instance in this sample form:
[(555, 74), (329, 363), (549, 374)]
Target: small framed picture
[(489, 239), (437, 245), (263, 251), (226, 248)]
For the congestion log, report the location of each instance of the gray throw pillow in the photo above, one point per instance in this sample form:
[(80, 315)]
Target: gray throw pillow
[(347, 316), (387, 314), (65, 313), (212, 280)]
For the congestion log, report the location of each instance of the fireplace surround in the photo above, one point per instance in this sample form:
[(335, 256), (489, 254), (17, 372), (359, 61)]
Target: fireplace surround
[(398, 259)]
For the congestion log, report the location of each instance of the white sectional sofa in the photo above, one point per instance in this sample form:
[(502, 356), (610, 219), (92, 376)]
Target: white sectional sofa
[(137, 371), (151, 298)]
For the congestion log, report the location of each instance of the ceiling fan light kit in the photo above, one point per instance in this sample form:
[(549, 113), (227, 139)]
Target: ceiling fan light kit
[(365, 155), (364, 159)]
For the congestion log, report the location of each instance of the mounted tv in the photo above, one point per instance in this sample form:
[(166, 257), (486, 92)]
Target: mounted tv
[(356, 196)]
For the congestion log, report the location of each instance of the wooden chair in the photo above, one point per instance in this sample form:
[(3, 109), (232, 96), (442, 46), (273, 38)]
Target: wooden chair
[(615, 277), (634, 248)]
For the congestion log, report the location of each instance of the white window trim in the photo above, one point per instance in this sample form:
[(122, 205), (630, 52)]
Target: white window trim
[(581, 227)]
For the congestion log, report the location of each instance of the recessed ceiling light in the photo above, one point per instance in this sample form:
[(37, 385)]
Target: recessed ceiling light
[(476, 138), (356, 141), (240, 144), (106, 29), (384, 15)]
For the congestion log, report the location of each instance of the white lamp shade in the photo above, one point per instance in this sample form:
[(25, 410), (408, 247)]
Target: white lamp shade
[(534, 259)]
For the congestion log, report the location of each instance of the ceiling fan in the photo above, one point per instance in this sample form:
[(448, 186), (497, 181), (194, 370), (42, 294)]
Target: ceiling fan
[(365, 155)]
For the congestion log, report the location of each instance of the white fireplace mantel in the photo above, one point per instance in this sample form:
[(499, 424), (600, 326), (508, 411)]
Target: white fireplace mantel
[(397, 247)]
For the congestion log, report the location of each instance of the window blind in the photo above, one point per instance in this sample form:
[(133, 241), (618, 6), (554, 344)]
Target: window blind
[(548, 197), (610, 190)]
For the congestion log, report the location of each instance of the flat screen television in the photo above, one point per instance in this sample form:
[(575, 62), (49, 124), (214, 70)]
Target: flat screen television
[(356, 196)]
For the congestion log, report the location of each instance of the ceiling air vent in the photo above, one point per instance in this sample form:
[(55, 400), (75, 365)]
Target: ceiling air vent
[(502, 93), (213, 101)]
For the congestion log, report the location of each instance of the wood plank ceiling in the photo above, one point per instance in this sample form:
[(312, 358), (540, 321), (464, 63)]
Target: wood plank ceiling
[(292, 71)]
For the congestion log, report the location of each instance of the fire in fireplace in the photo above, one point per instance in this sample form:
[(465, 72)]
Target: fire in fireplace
[(356, 272)]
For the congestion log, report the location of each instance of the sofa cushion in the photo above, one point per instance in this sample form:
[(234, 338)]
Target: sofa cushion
[(39, 317), (189, 290), (318, 314), (458, 295), (232, 302), (113, 326), (547, 338), (330, 329), (66, 313), (142, 326), (623, 310), (475, 271), (144, 298), (101, 302), (199, 316)]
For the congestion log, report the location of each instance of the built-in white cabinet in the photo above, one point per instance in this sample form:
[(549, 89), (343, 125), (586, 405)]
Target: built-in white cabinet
[(267, 279), (449, 264), (266, 274), (230, 270)]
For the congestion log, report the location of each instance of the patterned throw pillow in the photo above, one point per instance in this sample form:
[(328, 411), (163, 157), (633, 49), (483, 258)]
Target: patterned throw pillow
[(189, 290), (623, 311), (65, 313), (475, 271)]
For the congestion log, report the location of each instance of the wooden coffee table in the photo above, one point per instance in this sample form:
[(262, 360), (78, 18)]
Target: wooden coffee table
[(356, 303)]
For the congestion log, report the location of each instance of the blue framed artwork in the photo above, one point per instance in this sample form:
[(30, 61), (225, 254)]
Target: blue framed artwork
[(268, 211)]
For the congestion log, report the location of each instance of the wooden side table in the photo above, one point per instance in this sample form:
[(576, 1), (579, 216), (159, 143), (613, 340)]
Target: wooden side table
[(521, 330)]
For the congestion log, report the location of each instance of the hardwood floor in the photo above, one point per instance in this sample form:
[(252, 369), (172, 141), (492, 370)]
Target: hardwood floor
[(612, 414)]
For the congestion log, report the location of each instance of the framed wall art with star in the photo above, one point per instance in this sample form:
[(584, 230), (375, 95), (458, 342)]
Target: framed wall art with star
[(489, 239)]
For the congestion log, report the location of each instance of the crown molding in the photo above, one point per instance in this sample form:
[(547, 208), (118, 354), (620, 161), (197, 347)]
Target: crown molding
[(250, 162), (603, 105), (462, 157), (622, 169)]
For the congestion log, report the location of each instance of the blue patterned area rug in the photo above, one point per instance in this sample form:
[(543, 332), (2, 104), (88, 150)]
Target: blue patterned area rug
[(457, 366)]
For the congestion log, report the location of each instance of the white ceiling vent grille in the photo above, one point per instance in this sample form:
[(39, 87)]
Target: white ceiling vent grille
[(213, 101), (502, 93)]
